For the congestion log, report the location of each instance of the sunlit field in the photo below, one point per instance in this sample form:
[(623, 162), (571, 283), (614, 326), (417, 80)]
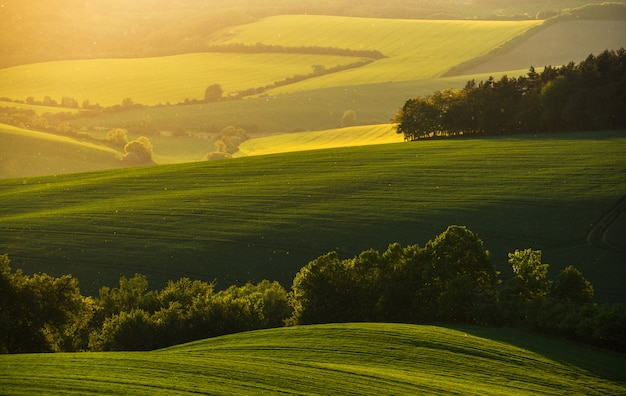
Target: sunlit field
[(341, 137), (151, 81), (264, 217), (347, 359), (27, 153), (415, 50)]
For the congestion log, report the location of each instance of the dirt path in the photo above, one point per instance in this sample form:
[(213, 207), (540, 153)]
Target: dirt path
[(596, 237)]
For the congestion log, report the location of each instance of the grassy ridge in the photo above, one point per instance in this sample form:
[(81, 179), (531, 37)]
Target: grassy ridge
[(266, 216), (27, 153), (347, 359)]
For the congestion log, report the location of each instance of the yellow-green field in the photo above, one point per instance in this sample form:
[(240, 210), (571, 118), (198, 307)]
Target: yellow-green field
[(152, 81), (340, 137), (415, 49), (27, 153)]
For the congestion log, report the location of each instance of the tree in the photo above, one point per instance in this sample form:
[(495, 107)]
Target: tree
[(460, 275), (321, 291), (138, 151), (117, 137), (571, 286), (41, 313), (213, 93)]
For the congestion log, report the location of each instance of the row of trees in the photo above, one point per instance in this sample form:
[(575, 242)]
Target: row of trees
[(585, 96), (260, 48), (450, 279)]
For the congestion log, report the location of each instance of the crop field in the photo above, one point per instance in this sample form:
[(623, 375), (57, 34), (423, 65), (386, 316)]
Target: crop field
[(415, 49), (264, 217), (333, 138), (347, 359), (28, 153), (151, 81)]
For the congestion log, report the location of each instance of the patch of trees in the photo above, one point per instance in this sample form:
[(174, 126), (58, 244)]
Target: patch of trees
[(449, 280), (227, 142), (585, 96), (260, 48)]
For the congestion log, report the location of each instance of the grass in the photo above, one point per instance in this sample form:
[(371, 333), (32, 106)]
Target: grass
[(27, 153), (347, 359), (266, 216)]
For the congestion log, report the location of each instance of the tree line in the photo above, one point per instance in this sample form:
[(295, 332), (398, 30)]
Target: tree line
[(260, 48), (449, 280), (585, 96)]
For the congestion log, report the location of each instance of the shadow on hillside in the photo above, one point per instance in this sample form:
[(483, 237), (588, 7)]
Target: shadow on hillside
[(603, 363)]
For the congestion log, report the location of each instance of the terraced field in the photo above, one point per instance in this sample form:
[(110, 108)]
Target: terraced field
[(347, 359)]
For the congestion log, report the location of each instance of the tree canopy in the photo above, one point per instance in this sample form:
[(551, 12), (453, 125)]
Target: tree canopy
[(585, 96)]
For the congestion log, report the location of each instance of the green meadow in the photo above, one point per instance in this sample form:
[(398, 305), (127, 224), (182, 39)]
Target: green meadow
[(347, 359), (264, 217)]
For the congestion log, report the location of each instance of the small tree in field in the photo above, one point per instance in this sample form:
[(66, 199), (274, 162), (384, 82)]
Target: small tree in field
[(117, 137), (213, 93)]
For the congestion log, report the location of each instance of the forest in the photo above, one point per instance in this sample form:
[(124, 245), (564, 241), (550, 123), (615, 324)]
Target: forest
[(449, 280), (575, 97)]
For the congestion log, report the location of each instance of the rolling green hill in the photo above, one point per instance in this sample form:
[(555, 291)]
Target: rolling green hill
[(260, 217), (25, 153), (347, 359)]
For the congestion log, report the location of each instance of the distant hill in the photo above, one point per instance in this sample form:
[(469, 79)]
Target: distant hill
[(556, 45), (364, 359), (50, 30)]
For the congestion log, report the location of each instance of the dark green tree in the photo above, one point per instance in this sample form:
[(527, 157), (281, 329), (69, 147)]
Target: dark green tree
[(213, 93)]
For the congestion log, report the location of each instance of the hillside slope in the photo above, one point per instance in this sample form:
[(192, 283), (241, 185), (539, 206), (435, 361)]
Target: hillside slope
[(558, 45), (264, 217), (25, 153), (346, 359)]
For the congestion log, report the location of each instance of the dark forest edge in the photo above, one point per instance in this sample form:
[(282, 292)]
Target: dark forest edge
[(449, 280), (585, 96)]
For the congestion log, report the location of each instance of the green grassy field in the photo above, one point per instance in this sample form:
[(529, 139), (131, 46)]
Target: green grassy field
[(260, 217), (26, 153), (346, 359)]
